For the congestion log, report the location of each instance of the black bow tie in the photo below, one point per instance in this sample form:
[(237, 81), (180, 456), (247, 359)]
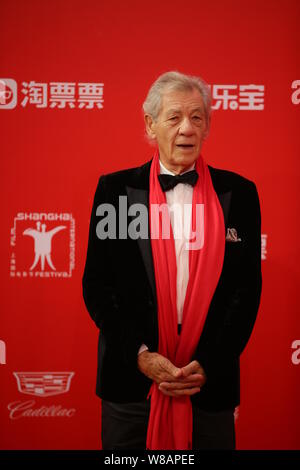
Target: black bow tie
[(169, 181)]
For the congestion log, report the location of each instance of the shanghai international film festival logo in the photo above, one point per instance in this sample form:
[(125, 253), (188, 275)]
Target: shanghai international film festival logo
[(42, 245), (41, 385)]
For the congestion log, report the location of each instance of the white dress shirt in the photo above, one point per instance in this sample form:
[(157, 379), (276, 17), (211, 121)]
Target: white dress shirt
[(180, 197)]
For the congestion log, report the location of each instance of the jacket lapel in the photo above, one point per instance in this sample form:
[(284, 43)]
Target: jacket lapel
[(138, 193), (141, 196), (224, 193)]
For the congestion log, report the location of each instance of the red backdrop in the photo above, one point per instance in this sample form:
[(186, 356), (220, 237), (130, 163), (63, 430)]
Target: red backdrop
[(74, 76)]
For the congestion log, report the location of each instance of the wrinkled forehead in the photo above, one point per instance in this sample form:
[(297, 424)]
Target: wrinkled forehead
[(181, 100)]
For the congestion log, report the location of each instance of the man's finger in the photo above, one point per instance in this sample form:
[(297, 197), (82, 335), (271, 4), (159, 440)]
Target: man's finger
[(190, 378), (191, 368), (178, 393), (197, 381), (166, 379), (171, 386)]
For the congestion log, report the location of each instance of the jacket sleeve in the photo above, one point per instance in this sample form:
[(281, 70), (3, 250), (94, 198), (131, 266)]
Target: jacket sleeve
[(242, 297), (97, 282)]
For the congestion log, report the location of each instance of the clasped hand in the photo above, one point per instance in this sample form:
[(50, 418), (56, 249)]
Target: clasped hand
[(172, 380)]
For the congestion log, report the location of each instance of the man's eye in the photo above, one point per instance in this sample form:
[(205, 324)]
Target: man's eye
[(173, 118), (197, 117)]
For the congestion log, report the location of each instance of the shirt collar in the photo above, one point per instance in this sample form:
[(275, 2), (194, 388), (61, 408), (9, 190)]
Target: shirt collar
[(165, 171)]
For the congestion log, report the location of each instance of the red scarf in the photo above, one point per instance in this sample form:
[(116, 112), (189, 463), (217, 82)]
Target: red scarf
[(170, 423)]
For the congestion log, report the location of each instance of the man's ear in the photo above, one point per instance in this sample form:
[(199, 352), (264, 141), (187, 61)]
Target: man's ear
[(150, 126)]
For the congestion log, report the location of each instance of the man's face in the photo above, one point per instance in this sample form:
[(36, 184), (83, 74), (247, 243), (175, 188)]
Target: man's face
[(180, 129)]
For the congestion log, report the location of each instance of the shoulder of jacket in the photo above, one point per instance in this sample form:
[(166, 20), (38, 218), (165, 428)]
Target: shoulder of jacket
[(121, 177), (230, 179)]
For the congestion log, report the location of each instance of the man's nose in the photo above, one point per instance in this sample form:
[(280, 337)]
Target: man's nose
[(186, 126)]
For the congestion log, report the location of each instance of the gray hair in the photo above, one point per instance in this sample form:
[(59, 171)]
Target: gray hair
[(176, 81)]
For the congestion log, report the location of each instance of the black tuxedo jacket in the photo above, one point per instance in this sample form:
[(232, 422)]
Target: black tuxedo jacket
[(120, 295)]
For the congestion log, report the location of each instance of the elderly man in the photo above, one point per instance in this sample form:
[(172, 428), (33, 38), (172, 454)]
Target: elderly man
[(175, 301)]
